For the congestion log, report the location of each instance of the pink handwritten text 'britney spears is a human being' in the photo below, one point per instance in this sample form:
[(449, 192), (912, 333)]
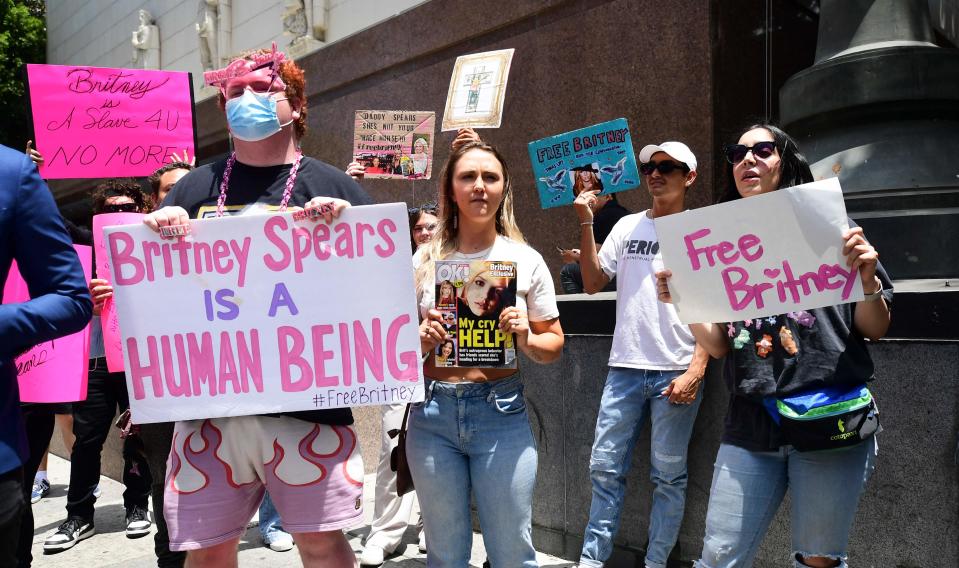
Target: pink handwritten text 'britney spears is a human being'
[(265, 314), (744, 290)]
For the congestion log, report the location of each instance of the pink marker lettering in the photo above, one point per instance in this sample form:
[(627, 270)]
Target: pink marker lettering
[(123, 258)]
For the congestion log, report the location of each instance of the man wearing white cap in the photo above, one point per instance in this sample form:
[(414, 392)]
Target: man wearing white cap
[(655, 366)]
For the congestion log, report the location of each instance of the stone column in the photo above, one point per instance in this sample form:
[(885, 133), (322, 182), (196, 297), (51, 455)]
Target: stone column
[(880, 109)]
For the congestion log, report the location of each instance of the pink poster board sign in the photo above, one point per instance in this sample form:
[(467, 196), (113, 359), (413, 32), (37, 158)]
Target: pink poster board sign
[(54, 371), (92, 122), (112, 341)]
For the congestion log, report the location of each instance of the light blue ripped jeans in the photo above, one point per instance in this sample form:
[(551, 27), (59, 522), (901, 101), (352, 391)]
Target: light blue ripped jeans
[(474, 437), (748, 488), (628, 397)]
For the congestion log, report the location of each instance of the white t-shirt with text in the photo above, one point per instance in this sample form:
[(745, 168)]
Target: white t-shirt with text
[(648, 333)]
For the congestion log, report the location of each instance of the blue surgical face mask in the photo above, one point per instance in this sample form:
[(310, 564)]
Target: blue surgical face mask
[(252, 117)]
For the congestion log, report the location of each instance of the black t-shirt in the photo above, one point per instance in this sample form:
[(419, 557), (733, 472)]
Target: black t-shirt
[(198, 191), (788, 354), (606, 218)]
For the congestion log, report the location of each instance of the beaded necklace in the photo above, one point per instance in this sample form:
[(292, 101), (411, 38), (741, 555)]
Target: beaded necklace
[(287, 192)]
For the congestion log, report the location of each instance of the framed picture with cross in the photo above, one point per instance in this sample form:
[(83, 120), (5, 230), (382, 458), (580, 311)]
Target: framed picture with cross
[(477, 90)]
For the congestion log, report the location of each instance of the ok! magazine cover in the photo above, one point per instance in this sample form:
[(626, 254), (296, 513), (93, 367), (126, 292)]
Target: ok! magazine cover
[(471, 295)]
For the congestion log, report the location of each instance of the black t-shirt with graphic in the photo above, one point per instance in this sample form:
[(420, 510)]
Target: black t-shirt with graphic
[(198, 191), (788, 354)]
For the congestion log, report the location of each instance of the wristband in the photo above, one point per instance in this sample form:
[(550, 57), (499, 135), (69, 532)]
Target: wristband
[(875, 295), (175, 230)]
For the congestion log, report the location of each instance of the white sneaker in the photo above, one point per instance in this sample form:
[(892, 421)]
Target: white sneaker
[(422, 542), (372, 556), (41, 488), (138, 522), (279, 541), (68, 534)]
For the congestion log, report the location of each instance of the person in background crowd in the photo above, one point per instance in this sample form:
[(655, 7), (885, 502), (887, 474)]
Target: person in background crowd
[(165, 177), (271, 527), (263, 96), (157, 437), (606, 213), (33, 235), (812, 350), (391, 512), (456, 451), (153, 440), (655, 367), (63, 413), (423, 223), (93, 417)]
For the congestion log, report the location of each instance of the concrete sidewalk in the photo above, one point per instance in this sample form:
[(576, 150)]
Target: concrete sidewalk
[(110, 548)]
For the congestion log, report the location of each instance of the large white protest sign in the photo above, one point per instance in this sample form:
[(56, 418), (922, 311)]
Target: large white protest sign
[(765, 255), (263, 313)]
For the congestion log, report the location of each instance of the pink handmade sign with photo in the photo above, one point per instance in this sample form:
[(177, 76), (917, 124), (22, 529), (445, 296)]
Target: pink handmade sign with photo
[(53, 371), (92, 122), (112, 342)]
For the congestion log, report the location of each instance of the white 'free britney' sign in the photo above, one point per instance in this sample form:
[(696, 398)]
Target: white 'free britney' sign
[(761, 256)]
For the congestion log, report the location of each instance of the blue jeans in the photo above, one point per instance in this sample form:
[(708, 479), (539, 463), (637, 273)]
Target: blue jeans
[(269, 519), (628, 397), (748, 488), (474, 436)]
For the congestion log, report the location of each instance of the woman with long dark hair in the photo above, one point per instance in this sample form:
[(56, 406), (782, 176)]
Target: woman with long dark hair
[(821, 350), (471, 434)]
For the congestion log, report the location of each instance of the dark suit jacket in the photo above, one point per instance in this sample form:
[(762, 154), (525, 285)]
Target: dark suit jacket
[(32, 233)]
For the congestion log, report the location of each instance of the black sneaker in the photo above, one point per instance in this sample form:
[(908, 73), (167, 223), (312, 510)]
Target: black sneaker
[(138, 522), (68, 534)]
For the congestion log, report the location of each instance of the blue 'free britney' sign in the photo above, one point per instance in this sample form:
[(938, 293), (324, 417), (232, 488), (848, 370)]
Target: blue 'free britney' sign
[(596, 157)]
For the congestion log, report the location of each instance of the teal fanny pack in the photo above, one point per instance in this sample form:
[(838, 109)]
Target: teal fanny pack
[(826, 418)]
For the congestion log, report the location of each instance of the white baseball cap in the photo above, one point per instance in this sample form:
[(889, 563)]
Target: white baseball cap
[(676, 150)]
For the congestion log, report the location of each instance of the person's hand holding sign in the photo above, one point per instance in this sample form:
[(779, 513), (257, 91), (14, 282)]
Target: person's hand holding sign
[(514, 320), (662, 286), (432, 332), (327, 207), (872, 315), (171, 222), (584, 204), (35, 155), (100, 290), (355, 170), (862, 256), (465, 136)]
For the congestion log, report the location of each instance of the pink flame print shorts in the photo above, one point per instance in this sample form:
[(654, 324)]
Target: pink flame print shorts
[(218, 469)]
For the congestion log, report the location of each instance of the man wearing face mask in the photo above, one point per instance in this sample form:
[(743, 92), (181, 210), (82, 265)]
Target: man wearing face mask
[(263, 96)]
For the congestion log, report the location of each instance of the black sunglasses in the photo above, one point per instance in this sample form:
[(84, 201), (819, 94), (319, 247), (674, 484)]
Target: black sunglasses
[(120, 208), (665, 167), (736, 153)]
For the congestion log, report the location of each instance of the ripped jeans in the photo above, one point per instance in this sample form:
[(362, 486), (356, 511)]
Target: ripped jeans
[(748, 488), (474, 437), (628, 397)]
